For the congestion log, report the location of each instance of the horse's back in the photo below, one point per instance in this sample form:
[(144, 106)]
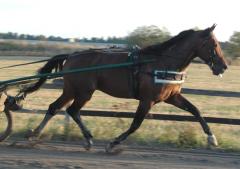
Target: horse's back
[(94, 57)]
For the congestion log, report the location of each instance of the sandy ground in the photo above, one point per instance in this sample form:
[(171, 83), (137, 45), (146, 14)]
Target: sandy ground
[(73, 156)]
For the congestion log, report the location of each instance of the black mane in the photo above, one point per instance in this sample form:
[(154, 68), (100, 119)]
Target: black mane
[(159, 47)]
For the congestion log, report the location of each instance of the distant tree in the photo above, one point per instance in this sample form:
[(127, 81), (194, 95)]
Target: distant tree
[(30, 37), (9, 35), (41, 37), (83, 40), (22, 36), (93, 39), (233, 46), (147, 35), (51, 38)]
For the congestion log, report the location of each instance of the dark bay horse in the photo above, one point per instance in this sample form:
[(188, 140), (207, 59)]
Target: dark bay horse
[(171, 57)]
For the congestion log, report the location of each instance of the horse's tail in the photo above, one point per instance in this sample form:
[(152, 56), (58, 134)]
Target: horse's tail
[(56, 63)]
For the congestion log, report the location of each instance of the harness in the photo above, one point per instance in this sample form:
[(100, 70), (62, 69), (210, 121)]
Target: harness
[(134, 71), (167, 77), (159, 76)]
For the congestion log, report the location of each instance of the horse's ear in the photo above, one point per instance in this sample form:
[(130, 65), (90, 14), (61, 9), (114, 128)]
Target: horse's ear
[(207, 32), (213, 27)]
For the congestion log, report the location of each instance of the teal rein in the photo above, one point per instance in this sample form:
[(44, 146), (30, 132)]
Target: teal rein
[(29, 63), (84, 69), (23, 64)]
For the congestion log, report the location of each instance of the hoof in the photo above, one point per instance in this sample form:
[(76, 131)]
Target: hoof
[(31, 135), (212, 141), (88, 145), (113, 149)]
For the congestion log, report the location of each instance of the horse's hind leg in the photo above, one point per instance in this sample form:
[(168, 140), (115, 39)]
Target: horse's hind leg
[(74, 112), (143, 109), (179, 101), (52, 110)]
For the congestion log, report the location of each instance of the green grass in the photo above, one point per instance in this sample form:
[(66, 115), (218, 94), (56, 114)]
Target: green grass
[(152, 132)]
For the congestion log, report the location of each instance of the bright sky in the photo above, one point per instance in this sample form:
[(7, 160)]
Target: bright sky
[(103, 18)]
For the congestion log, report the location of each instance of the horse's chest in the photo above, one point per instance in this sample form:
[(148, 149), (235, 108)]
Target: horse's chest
[(163, 92)]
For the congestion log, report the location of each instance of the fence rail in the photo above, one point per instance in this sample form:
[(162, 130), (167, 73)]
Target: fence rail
[(167, 117)]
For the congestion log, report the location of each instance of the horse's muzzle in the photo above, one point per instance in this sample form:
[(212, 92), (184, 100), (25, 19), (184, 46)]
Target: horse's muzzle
[(218, 70)]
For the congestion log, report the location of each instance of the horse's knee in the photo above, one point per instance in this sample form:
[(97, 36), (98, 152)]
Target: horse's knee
[(52, 109), (71, 111)]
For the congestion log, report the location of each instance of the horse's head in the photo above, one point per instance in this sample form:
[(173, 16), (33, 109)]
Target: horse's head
[(210, 52)]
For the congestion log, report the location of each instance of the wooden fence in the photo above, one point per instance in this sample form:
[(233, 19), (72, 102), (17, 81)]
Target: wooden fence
[(167, 117)]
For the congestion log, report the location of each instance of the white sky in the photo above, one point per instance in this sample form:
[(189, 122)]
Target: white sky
[(103, 18)]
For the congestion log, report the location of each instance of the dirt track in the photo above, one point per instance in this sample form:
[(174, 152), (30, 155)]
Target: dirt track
[(73, 156)]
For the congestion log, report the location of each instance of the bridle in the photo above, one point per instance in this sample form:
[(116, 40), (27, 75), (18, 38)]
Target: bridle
[(212, 54)]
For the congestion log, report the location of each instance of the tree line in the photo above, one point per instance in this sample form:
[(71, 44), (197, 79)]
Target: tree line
[(141, 36), (11, 35)]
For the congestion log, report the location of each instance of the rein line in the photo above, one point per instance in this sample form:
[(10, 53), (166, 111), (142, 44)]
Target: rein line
[(71, 71), (30, 63)]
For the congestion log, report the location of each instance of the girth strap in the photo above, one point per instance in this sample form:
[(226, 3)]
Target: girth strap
[(134, 71)]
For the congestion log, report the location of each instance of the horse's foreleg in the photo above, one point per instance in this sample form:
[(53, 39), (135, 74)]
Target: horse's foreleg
[(179, 101), (52, 110), (74, 112), (143, 109)]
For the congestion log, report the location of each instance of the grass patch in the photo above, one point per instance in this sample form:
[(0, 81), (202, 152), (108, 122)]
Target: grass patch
[(152, 132)]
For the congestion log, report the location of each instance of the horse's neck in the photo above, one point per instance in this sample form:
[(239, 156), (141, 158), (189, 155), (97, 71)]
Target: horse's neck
[(178, 58)]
